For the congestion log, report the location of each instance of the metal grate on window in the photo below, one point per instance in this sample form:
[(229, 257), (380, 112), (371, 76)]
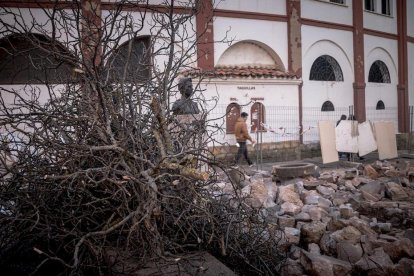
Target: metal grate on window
[(379, 73), (33, 58), (131, 61), (232, 114), (380, 105), (328, 106), (326, 68), (257, 112)]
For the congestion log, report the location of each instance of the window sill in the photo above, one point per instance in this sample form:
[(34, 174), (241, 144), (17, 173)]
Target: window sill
[(380, 14), (333, 3)]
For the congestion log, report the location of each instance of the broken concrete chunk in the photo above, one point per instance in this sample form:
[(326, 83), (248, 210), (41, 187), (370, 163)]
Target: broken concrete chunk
[(288, 194), (302, 216), (327, 177), (312, 232), (381, 227), (314, 248), (349, 252), (324, 203), (346, 211), (312, 184), (404, 267), (292, 235), (326, 191), (351, 173), (286, 221), (363, 227), (292, 268), (399, 249), (370, 197), (290, 209), (395, 191), (379, 263), (328, 244), (348, 234), (370, 172), (322, 265)]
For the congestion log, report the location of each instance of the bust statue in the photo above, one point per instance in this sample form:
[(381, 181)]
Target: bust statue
[(185, 105)]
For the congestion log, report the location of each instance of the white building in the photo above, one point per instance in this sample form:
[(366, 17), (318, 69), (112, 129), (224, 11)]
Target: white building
[(291, 63)]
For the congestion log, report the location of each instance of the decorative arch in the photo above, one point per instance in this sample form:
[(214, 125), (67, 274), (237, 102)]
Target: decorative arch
[(379, 73), (131, 61), (330, 47), (341, 53), (328, 106), (326, 68), (258, 117), (232, 114), (380, 105), (34, 59), (251, 53), (383, 55)]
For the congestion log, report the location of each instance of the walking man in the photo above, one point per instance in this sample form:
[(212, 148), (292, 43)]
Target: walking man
[(242, 135)]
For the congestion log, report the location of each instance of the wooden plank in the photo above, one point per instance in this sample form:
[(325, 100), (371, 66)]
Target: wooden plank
[(386, 140), (328, 142), (366, 139), (346, 136)]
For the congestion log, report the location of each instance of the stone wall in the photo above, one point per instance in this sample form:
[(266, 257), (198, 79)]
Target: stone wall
[(287, 150), (271, 152)]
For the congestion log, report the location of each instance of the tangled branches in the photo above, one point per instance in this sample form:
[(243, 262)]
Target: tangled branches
[(96, 173)]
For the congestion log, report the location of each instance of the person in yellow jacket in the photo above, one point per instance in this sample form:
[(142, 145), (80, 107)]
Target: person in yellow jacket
[(242, 135)]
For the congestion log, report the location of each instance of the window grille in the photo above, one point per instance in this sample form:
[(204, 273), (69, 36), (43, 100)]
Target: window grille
[(380, 105), (232, 114), (33, 58), (257, 113), (132, 59), (328, 106), (326, 68), (379, 73)]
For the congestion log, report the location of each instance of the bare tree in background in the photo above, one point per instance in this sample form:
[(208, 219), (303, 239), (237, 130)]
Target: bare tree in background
[(96, 174)]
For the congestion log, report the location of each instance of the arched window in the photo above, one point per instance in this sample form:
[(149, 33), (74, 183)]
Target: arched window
[(326, 68), (257, 113), (232, 114), (379, 73), (328, 106), (33, 58), (131, 61), (380, 105)]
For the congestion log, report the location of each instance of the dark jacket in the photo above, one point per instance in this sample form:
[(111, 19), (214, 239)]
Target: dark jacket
[(240, 131)]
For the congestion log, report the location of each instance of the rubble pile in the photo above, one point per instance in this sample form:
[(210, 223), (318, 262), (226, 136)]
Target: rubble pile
[(345, 221)]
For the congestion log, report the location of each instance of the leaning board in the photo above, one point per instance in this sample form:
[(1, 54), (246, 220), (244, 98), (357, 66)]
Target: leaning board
[(345, 142), (386, 140), (328, 141), (366, 140)]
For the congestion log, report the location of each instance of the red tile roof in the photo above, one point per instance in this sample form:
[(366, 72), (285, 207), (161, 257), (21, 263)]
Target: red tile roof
[(241, 72)]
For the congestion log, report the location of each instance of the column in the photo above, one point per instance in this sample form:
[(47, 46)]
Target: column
[(402, 88), (359, 63), (205, 42)]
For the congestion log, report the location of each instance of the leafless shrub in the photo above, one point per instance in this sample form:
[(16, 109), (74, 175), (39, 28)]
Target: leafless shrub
[(98, 174)]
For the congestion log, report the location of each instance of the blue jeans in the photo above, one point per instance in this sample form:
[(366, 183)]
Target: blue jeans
[(243, 150)]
